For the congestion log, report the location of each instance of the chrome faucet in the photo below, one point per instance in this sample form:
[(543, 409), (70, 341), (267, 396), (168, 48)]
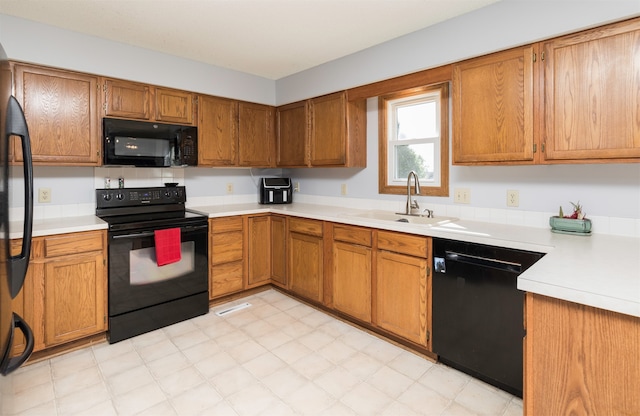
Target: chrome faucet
[(412, 206)]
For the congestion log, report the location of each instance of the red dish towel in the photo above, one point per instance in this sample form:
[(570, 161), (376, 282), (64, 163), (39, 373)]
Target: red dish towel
[(167, 246)]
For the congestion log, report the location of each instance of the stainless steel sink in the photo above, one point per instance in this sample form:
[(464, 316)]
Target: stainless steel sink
[(412, 219)]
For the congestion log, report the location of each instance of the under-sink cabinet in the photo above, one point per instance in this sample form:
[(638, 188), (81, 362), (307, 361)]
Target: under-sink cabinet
[(64, 297), (402, 286)]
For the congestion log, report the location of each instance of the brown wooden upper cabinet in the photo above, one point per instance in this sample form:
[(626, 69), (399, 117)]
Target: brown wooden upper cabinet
[(234, 133), (61, 109), (256, 135), (571, 99), (323, 131), (493, 108), (217, 131), (591, 98), (134, 100)]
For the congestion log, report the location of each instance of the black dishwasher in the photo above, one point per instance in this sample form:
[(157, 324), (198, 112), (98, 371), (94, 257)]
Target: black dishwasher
[(478, 310)]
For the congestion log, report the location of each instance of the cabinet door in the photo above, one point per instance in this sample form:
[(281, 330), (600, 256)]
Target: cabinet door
[(352, 280), (292, 135), (127, 99), (256, 136), (305, 265), (579, 359), (493, 108), (173, 106), (217, 131), (278, 250), (591, 100), (61, 109), (259, 256), (29, 305), (226, 256), (328, 130), (401, 296), (74, 298)]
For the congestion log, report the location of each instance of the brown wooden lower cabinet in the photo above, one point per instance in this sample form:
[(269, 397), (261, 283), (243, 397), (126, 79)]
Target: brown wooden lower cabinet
[(279, 250), (74, 297), (351, 280), (403, 286), (580, 360), (305, 258), (65, 291), (259, 255), (401, 296), (226, 256)]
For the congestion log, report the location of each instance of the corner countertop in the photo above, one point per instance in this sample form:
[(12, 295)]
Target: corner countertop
[(598, 270)]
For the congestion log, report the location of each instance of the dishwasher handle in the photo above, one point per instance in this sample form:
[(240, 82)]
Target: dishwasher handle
[(484, 262)]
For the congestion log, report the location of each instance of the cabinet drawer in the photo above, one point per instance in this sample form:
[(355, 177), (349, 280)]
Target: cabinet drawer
[(301, 226), (73, 244), (226, 247), (226, 278), (223, 225), (355, 235), (412, 245)]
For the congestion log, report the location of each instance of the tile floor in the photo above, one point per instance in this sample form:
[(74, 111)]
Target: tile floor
[(277, 357)]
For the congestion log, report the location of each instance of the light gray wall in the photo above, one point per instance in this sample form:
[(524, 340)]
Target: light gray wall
[(607, 190), (610, 190), (499, 26), (29, 41)]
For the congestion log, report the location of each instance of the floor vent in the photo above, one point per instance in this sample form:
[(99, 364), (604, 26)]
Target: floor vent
[(231, 309)]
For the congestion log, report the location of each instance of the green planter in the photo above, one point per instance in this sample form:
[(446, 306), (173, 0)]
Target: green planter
[(569, 225)]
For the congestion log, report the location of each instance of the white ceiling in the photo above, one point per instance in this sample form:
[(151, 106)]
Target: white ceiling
[(268, 38)]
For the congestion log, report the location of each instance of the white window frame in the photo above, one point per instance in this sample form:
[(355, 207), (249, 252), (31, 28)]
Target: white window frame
[(393, 142), (387, 130)]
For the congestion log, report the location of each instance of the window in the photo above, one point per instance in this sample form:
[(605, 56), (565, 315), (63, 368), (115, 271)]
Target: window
[(413, 130)]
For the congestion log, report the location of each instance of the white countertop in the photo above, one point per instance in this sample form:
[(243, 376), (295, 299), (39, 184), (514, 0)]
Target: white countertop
[(61, 225), (598, 270), (602, 271)]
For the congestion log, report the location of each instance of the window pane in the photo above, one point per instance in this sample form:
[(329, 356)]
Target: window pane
[(417, 121), (418, 157)]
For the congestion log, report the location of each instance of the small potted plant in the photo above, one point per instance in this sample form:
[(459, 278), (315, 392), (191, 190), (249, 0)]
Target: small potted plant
[(576, 223)]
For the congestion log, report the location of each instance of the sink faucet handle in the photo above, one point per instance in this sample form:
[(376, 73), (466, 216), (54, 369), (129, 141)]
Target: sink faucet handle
[(429, 212)]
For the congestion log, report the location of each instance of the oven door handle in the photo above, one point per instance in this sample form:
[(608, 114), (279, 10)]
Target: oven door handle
[(134, 235), (151, 234)]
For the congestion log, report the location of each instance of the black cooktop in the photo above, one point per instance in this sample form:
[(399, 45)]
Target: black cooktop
[(145, 208)]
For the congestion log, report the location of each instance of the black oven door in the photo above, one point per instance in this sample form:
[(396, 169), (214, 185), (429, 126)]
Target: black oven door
[(137, 282)]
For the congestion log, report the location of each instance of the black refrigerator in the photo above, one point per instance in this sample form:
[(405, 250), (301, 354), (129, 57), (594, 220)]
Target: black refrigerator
[(13, 269)]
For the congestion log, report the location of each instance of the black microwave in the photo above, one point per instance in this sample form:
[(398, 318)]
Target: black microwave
[(145, 144)]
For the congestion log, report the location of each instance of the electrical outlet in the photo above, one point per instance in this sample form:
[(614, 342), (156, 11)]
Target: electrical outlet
[(462, 196), (44, 195), (229, 188), (513, 198), (296, 187), (343, 189)]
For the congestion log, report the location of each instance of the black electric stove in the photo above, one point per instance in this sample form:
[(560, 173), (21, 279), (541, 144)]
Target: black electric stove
[(144, 296)]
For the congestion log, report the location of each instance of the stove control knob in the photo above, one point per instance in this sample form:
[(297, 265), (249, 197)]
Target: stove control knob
[(119, 196), (106, 197)]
